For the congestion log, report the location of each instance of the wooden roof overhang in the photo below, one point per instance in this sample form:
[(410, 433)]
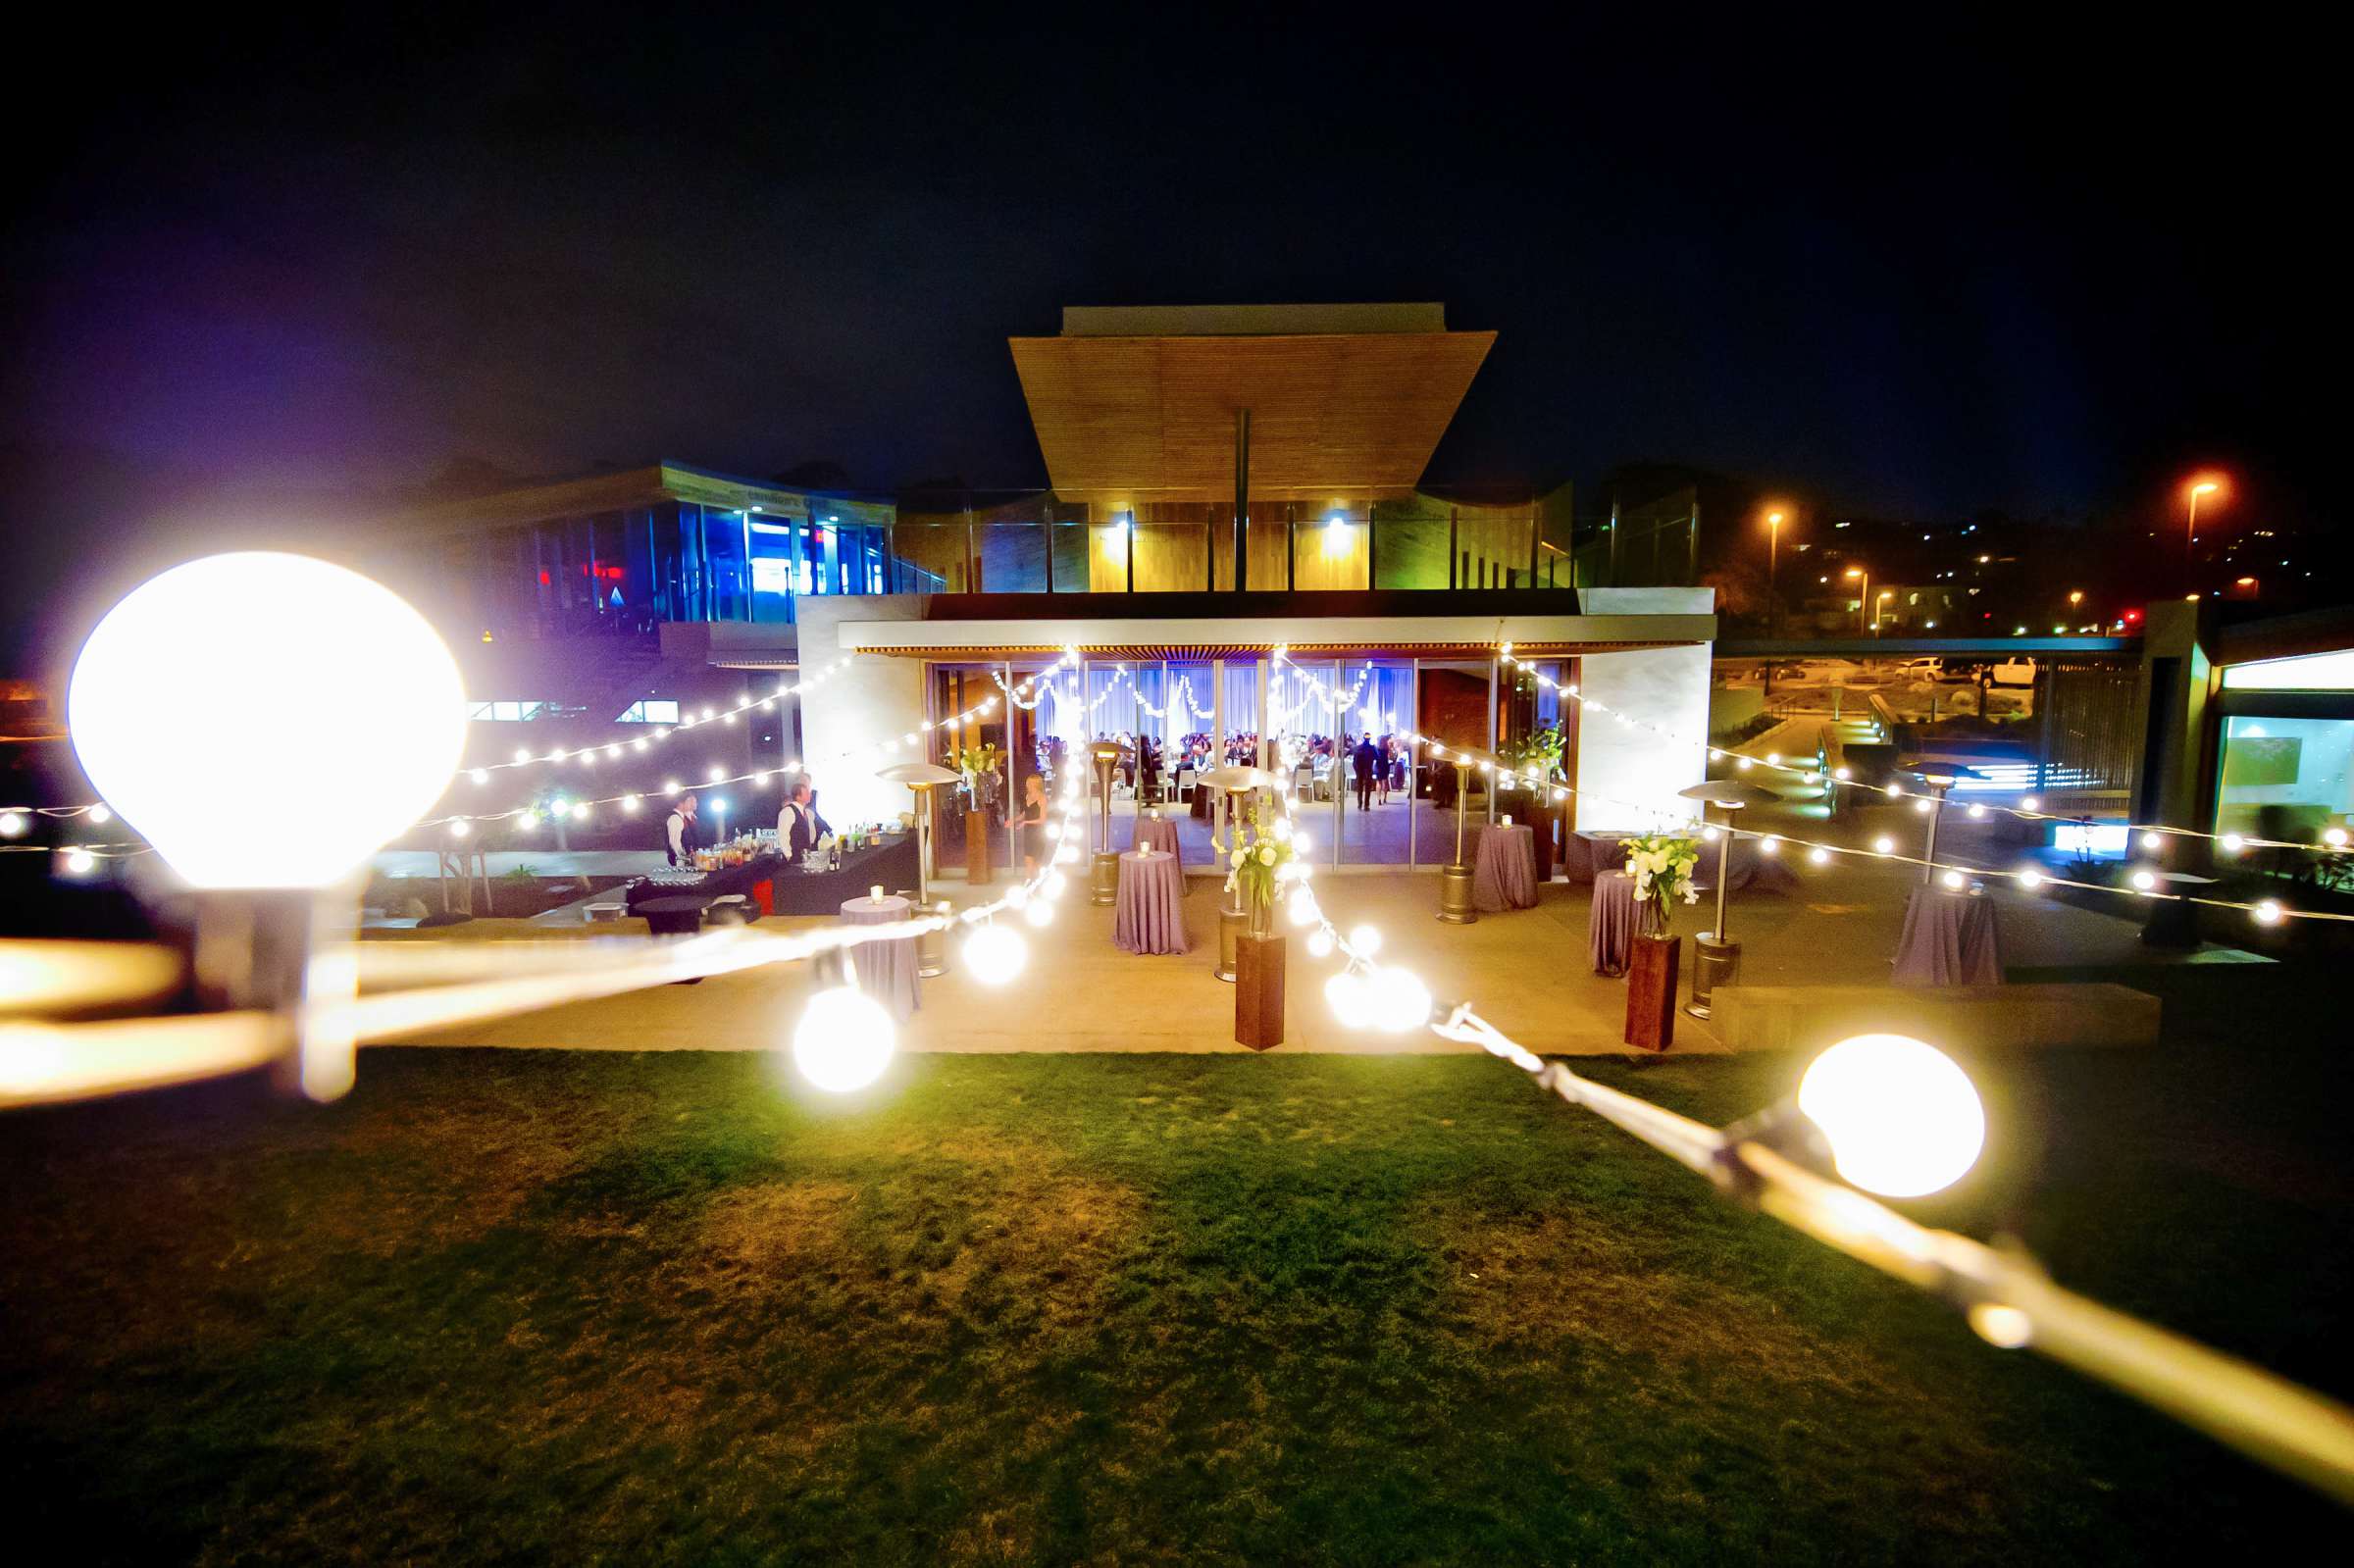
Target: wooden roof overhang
[(1334, 417)]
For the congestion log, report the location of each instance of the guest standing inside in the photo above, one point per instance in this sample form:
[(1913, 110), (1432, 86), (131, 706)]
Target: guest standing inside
[(1364, 759), (799, 826), (682, 838), (1033, 824)]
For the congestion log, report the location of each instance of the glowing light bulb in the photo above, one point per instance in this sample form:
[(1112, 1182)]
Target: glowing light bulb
[(1320, 943), (1708, 834), (2006, 1328), (1399, 1001), (1770, 845), (1773, 759), (521, 756), (580, 811), (1303, 842), (1923, 805), (629, 802), (100, 816), (13, 825), (460, 829), (1364, 941), (1896, 792), (2152, 840), (79, 862), (2267, 912), (1977, 810), (1901, 1118), (481, 776), (1347, 994), (1302, 907), (1883, 845), (1055, 883), (1840, 773), (371, 716), (2030, 803), (845, 1040), (1820, 855), (714, 774), (1742, 766), (2031, 878), (2144, 881), (993, 954), (1039, 912), (2232, 843), (1954, 879), (2334, 837)]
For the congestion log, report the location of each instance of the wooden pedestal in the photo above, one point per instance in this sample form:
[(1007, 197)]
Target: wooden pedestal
[(1651, 963), (976, 849), (1259, 991)]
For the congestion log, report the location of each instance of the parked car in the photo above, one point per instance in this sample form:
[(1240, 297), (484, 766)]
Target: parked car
[(2015, 673), (1925, 669)]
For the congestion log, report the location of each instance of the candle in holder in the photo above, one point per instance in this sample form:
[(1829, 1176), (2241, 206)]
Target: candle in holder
[(875, 892), (1508, 821)]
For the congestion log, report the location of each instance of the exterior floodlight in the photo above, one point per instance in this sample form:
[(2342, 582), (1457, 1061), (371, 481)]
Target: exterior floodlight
[(369, 717), (1901, 1119)]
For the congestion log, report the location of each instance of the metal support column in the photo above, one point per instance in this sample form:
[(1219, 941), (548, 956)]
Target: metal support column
[(1495, 670), (1242, 500), (1413, 766)]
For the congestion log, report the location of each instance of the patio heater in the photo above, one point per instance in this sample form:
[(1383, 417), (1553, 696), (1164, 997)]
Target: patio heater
[(1455, 878), (1940, 776), (1235, 782), (931, 948), (1718, 957), (1106, 881)]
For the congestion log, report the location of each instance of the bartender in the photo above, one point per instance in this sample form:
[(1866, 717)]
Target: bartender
[(680, 829), (799, 826)]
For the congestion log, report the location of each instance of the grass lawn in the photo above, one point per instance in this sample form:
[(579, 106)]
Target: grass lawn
[(510, 1306)]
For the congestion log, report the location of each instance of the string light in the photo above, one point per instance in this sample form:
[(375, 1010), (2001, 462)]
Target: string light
[(846, 1038), (1902, 1120), (993, 954)]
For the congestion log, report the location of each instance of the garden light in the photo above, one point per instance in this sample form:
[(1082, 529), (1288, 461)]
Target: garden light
[(374, 716), (1901, 1119)]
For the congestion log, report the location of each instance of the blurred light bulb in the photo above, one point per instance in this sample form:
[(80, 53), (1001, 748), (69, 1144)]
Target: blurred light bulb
[(1901, 1118), (2031, 878), (1708, 834), (1896, 792), (670, 787), (1883, 845), (2151, 840), (845, 1040), (2144, 881), (1039, 912), (1302, 906), (2334, 837), (993, 954), (1346, 993), (481, 776), (79, 862), (2232, 843), (1954, 879), (100, 816), (1770, 845), (1923, 805), (1320, 943), (370, 715), (1364, 941), (2266, 911), (1977, 810), (1055, 883), (521, 756), (629, 802), (1840, 773), (2030, 803), (1399, 1001), (13, 825), (2006, 1328), (580, 811), (1820, 855), (460, 829)]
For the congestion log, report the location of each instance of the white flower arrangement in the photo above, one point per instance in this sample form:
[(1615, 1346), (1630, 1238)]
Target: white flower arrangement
[(1261, 857), (1662, 866)]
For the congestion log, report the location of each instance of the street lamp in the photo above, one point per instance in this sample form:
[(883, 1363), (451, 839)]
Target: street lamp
[(1863, 598), (1885, 594), (1774, 550), (2190, 534)]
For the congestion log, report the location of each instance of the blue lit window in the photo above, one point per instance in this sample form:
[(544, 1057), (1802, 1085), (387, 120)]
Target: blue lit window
[(648, 710), (506, 711)]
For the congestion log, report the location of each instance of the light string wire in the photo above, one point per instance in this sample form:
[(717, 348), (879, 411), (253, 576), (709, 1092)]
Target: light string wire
[(2007, 1299), (2264, 911), (2231, 842)]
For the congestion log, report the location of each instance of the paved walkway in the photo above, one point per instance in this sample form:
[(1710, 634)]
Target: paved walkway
[(1526, 971)]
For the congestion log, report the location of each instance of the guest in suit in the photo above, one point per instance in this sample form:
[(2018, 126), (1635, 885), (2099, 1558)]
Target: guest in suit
[(1363, 761), (682, 837)]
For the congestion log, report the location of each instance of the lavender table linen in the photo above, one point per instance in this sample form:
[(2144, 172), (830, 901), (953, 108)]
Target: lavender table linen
[(1503, 873), (885, 971), (1587, 855), (1612, 936), (1157, 833), (1149, 916), (1950, 938)]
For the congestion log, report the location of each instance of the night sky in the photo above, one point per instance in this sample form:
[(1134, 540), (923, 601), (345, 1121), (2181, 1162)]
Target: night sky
[(2012, 265)]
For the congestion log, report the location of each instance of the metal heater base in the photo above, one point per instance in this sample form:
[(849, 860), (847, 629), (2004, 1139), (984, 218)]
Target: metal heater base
[(1454, 895), (1104, 881), (1232, 924), (1715, 963)]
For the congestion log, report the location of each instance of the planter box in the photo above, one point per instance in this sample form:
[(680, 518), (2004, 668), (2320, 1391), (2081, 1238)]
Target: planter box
[(1259, 963), (1650, 970)]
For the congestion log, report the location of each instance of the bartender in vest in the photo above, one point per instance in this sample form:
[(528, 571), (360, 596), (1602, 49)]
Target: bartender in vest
[(799, 826), (682, 832)]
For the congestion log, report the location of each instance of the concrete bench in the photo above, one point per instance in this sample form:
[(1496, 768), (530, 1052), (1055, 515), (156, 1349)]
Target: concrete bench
[(1762, 1018)]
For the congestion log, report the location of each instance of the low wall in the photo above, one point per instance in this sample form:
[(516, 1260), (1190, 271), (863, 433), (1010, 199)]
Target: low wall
[(1966, 1018)]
